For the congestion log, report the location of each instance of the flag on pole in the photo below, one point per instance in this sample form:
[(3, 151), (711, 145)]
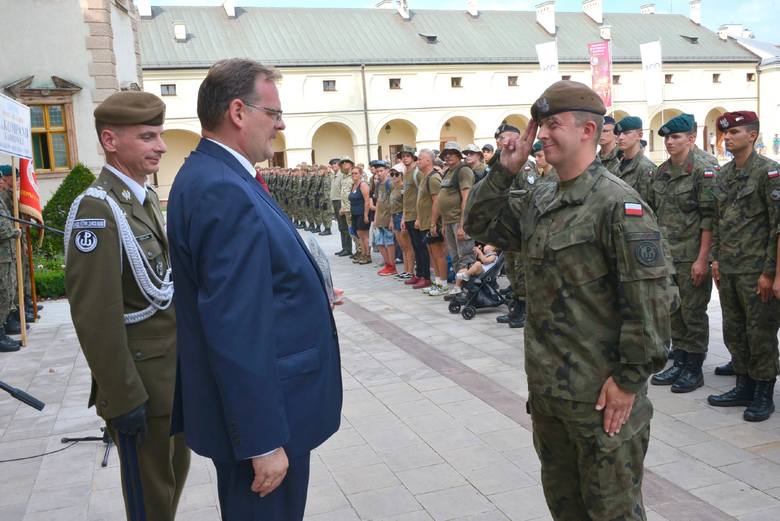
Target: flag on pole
[(548, 62), (29, 198), (601, 70), (653, 68)]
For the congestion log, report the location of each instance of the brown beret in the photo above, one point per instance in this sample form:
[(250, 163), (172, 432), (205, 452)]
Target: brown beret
[(567, 96), (739, 118), (131, 107)]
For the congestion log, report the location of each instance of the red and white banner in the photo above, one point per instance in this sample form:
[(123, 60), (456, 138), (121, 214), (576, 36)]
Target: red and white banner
[(601, 70), (29, 198)]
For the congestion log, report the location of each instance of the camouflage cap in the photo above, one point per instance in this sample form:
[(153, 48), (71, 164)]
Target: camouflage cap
[(628, 123), (406, 149), (381, 163), (451, 146), (488, 148), (472, 149), (567, 96), (682, 123), (736, 119), (131, 107), (334, 161), (346, 159)]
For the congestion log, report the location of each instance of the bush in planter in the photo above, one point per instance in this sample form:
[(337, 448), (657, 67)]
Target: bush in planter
[(49, 276), (55, 213)]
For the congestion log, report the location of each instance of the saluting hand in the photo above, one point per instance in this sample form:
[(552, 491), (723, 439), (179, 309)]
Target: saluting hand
[(616, 404), (515, 151), (270, 471)]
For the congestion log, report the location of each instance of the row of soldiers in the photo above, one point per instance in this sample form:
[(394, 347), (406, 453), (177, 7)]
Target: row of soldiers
[(10, 321), (304, 194)]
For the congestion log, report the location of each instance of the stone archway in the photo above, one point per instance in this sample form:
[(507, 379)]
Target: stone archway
[(180, 143), (459, 129), (392, 136), (711, 126), (331, 140), (655, 146)]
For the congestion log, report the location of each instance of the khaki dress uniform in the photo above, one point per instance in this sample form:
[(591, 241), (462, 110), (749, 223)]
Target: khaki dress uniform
[(130, 363)]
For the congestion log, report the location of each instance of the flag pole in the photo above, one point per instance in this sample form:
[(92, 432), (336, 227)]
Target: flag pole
[(19, 274), (33, 290)]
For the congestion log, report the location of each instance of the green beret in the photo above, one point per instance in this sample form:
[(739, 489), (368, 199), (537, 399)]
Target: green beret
[(628, 123), (131, 107), (682, 123), (567, 96), (5, 171), (536, 148)]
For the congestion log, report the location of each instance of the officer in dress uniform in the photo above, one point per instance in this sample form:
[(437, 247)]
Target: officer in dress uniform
[(120, 291)]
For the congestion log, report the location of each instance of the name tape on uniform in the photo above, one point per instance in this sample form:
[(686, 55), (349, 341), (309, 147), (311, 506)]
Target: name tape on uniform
[(634, 209), (80, 224)]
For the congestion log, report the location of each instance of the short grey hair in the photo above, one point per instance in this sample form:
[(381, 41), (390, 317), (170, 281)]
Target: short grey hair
[(428, 152)]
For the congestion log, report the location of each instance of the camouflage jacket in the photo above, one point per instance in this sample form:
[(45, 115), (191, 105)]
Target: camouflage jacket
[(612, 161), (638, 173), (684, 203), (7, 240), (323, 197), (598, 302), (745, 225)]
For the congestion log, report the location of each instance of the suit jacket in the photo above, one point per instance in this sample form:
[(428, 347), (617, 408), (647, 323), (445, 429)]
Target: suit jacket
[(130, 364), (258, 362)]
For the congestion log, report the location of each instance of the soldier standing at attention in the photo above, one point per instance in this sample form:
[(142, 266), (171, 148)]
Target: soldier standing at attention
[(597, 306), (323, 200), (608, 149), (634, 168), (682, 197), (8, 235), (744, 250), (342, 180), (121, 304)]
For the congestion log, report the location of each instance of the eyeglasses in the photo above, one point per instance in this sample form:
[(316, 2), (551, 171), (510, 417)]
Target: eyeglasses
[(274, 113)]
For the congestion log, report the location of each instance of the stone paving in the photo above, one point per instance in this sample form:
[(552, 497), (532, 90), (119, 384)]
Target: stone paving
[(434, 427)]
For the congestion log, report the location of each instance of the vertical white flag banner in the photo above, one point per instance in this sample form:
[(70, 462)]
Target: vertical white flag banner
[(653, 68), (548, 62)]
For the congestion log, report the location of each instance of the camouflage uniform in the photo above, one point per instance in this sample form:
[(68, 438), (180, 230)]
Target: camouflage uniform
[(612, 161), (744, 244), (7, 263), (598, 307), (323, 201), (637, 172), (683, 199)]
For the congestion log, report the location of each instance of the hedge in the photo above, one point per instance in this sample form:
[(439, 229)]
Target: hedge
[(49, 276), (56, 210)]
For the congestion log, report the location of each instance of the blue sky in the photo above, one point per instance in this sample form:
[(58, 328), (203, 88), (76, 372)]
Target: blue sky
[(757, 15)]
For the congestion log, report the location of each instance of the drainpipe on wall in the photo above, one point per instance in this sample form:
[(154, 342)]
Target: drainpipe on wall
[(365, 111)]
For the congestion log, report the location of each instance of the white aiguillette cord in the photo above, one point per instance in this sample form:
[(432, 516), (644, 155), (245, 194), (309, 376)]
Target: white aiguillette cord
[(158, 292)]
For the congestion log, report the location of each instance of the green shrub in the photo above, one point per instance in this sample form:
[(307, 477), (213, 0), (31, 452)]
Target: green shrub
[(56, 210), (49, 276)]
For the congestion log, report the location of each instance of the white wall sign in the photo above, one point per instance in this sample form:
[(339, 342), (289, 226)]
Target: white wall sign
[(15, 131)]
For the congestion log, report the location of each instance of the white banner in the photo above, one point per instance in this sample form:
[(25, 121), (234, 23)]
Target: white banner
[(15, 131), (653, 68), (548, 62)]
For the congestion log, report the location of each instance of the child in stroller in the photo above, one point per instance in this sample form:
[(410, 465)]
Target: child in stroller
[(477, 286)]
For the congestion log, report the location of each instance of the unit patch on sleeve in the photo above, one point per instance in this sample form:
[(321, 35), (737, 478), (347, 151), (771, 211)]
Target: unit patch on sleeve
[(80, 224), (634, 209), (85, 241), (772, 174), (647, 253)]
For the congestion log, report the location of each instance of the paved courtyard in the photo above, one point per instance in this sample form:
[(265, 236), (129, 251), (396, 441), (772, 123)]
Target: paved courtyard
[(434, 427)]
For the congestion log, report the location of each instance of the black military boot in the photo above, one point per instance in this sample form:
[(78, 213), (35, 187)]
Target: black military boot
[(739, 396), (725, 369), (13, 326), (8, 344), (504, 319), (28, 304), (691, 377), (763, 405), (517, 317), (326, 231), (669, 376)]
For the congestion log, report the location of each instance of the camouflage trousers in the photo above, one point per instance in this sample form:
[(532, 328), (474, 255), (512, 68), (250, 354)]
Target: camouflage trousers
[(515, 272), (690, 323), (7, 289), (749, 326), (587, 475), (325, 216)]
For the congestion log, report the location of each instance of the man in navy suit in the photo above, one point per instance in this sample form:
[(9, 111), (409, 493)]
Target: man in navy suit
[(258, 379)]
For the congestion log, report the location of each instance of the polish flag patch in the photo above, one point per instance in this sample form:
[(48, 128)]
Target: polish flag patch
[(709, 173), (772, 174), (633, 209)]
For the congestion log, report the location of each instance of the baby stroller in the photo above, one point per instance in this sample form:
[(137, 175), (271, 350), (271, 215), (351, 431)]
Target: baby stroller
[(479, 292)]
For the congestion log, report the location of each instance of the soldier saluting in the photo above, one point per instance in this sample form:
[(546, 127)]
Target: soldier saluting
[(597, 306), (120, 291)]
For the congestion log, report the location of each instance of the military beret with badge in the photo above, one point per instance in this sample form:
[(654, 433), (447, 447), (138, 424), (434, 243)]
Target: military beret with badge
[(628, 123), (738, 118), (536, 148), (5, 171), (567, 96), (506, 127), (131, 107), (683, 123)]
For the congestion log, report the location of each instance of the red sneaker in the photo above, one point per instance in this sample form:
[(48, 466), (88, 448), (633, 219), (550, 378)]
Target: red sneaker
[(423, 283), (387, 271), (411, 282)]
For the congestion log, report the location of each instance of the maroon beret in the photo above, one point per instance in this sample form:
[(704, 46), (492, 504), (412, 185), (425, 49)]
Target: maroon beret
[(736, 119)]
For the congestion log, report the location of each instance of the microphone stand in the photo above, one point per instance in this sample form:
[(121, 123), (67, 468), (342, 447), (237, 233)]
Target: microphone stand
[(22, 396)]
